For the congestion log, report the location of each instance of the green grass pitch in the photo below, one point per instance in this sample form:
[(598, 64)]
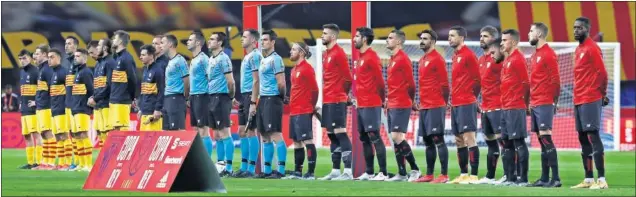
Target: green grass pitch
[(620, 172)]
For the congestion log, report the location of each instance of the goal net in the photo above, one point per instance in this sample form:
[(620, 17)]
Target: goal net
[(564, 133)]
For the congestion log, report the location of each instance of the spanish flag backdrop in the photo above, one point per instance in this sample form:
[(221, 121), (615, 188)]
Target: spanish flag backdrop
[(614, 19)]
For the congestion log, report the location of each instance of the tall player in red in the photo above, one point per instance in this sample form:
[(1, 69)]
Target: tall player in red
[(590, 95), (401, 89), (515, 97), (337, 84), (490, 73), (434, 95), (370, 94), (545, 87), (304, 96), (465, 88)]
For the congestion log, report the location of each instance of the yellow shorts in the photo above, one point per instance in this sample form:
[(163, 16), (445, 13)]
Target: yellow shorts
[(61, 124), (105, 123), (44, 117), (70, 120), (82, 122), (152, 126), (97, 121), (29, 124), (119, 116)]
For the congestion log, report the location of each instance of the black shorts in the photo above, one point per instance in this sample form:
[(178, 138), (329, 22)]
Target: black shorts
[(244, 111), (398, 119), (369, 119), (175, 116), (588, 116), (300, 127), (199, 110), (220, 107), (464, 118), (491, 122), (269, 114), (334, 116), (542, 117), (513, 124), (432, 121)]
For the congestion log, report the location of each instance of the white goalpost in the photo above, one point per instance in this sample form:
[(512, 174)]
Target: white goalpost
[(564, 126)]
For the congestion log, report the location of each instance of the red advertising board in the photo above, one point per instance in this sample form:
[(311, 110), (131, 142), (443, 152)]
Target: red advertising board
[(149, 161), (627, 141)]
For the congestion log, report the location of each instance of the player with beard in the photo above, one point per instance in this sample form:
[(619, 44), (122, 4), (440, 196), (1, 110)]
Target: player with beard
[(590, 95), (545, 87), (82, 90), (337, 84), (199, 89), (250, 144), (400, 102), (60, 126), (464, 92), (515, 97), (303, 100), (28, 121), (102, 85), (490, 73), (370, 95), (123, 84), (434, 94)]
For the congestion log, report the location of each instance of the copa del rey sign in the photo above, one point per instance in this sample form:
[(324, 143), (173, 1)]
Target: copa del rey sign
[(154, 162)]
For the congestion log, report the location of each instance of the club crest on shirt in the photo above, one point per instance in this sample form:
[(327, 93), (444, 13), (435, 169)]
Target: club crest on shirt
[(297, 74), (488, 65), (581, 55), (426, 63), (538, 59), (508, 65), (459, 59), (361, 62), (328, 59), (393, 64)]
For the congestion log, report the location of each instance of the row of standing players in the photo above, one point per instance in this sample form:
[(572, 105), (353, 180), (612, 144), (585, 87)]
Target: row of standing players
[(500, 76), (209, 85)]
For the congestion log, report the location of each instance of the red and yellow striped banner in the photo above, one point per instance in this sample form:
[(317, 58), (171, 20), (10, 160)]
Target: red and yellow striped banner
[(614, 19)]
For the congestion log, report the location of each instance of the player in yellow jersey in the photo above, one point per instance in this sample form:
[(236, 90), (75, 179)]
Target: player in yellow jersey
[(28, 86), (152, 86), (82, 90), (58, 97), (43, 108)]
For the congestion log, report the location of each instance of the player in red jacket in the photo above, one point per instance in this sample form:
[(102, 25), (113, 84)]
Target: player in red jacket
[(545, 87), (434, 94), (490, 73), (464, 91), (590, 95), (401, 96), (336, 86), (515, 93)]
